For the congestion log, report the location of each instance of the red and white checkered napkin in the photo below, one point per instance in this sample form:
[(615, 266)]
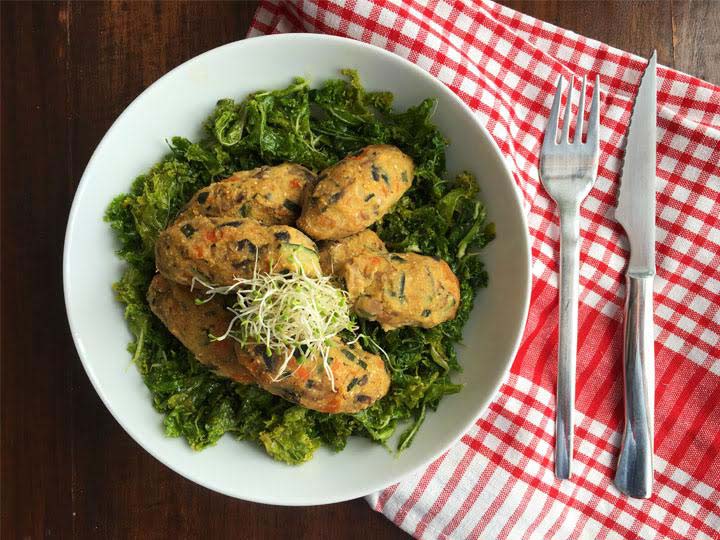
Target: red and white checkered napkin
[(497, 481)]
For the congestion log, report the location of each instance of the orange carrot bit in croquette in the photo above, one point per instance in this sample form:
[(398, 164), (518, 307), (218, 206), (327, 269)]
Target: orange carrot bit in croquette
[(302, 373), (334, 403), (211, 235)]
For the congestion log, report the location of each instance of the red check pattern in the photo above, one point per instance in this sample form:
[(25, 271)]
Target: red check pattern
[(497, 481)]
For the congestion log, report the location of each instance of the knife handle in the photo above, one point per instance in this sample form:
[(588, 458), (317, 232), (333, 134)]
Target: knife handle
[(634, 475)]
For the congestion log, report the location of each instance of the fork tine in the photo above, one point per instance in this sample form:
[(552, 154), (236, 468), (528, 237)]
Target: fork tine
[(551, 130), (565, 135), (594, 118), (577, 138)]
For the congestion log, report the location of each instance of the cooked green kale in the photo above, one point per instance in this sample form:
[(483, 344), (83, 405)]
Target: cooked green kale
[(316, 128)]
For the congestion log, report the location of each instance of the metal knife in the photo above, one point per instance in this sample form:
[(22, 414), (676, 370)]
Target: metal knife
[(636, 213)]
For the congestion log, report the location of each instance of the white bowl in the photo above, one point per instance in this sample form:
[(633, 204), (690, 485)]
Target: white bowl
[(176, 105)]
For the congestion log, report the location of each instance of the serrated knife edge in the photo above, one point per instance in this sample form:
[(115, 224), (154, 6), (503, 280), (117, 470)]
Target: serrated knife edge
[(636, 195)]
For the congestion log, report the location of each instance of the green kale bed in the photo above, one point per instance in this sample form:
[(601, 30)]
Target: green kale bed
[(316, 128)]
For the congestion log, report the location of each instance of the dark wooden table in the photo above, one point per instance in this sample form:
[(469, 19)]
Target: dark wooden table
[(68, 69)]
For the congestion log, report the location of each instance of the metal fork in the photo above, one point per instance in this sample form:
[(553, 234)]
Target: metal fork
[(568, 171)]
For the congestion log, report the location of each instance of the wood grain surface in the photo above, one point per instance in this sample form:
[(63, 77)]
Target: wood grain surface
[(68, 69)]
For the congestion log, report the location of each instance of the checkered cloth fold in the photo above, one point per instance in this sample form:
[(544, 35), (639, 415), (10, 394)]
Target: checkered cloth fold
[(497, 481)]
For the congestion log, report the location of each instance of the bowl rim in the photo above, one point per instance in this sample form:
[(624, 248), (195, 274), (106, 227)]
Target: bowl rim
[(85, 179)]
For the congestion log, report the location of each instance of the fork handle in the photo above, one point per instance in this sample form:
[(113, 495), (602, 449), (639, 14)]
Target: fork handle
[(567, 346), (634, 475)]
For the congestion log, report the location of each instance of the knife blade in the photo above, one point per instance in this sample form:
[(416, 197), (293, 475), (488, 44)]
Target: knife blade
[(636, 199), (636, 213)]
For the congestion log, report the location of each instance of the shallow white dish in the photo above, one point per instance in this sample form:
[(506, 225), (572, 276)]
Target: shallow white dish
[(176, 105)]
